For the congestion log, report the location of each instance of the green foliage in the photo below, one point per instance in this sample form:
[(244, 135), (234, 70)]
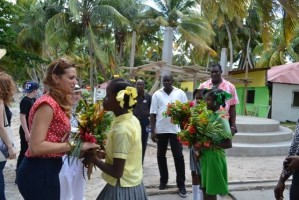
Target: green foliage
[(203, 127), (17, 59), (98, 34)]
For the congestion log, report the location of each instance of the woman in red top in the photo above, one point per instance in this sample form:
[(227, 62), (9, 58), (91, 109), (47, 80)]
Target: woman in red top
[(37, 177)]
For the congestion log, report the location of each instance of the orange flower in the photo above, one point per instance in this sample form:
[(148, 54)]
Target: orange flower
[(203, 120), (168, 112), (185, 125), (207, 144)]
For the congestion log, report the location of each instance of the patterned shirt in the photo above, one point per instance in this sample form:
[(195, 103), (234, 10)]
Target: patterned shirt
[(294, 150), (59, 126), (225, 86)]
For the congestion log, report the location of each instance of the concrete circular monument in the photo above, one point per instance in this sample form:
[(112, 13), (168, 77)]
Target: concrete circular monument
[(260, 137)]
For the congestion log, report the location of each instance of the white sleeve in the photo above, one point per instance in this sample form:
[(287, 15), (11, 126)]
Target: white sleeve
[(184, 98), (154, 104)]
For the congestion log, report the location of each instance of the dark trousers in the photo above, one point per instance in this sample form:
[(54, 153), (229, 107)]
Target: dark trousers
[(38, 178), (2, 184), (24, 147), (144, 122), (294, 190), (176, 149)]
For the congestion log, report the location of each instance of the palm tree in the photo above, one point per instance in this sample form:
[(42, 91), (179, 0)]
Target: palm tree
[(183, 17), (85, 19), (32, 26), (226, 16), (283, 37), (281, 49)]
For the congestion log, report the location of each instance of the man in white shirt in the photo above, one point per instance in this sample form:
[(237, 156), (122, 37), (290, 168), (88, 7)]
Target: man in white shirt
[(163, 131)]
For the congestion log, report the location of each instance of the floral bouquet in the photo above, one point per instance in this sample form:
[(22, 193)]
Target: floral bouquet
[(179, 112), (93, 125), (204, 127)]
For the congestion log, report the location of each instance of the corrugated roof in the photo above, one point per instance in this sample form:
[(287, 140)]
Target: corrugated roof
[(288, 73)]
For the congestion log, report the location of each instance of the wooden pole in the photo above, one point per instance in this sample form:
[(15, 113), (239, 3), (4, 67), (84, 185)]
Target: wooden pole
[(167, 52), (132, 56), (245, 87)]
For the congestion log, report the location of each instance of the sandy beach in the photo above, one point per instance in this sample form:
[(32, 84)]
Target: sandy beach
[(240, 169)]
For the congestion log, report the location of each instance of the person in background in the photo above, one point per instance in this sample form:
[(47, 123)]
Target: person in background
[(217, 81), (122, 169), (71, 176), (142, 112), (164, 132), (49, 125), (290, 167), (198, 95), (7, 89), (213, 166), (30, 90)]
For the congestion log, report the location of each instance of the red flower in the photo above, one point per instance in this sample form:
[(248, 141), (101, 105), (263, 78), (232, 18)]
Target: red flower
[(191, 104), (191, 129), (186, 143), (87, 137)]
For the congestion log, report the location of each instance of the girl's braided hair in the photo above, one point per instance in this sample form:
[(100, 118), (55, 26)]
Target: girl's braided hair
[(118, 84), (219, 96)]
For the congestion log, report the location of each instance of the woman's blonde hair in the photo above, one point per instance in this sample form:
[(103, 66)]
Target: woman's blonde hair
[(58, 68), (7, 88)]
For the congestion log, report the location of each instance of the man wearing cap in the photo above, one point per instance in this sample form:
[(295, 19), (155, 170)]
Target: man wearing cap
[(26, 103)]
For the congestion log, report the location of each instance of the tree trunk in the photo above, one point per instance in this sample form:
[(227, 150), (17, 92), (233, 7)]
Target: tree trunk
[(167, 51), (230, 44), (91, 53), (132, 56), (248, 53)]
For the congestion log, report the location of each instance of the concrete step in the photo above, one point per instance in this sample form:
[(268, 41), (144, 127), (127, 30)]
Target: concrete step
[(256, 124), (259, 149), (283, 134)]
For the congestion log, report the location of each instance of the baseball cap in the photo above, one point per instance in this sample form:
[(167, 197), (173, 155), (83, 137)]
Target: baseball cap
[(30, 86), (77, 88)]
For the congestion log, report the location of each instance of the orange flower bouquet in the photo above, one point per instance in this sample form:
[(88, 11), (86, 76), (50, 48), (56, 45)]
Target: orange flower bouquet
[(179, 112), (93, 125), (204, 127)]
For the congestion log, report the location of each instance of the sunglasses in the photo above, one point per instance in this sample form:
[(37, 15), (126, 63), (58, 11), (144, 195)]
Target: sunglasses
[(60, 61)]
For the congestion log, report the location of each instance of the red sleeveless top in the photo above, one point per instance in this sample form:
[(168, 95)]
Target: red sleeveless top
[(59, 126)]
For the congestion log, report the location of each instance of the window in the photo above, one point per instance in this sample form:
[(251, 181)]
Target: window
[(250, 96), (295, 99)]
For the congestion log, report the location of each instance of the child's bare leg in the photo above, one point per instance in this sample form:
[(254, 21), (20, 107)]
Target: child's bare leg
[(196, 191), (195, 178)]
